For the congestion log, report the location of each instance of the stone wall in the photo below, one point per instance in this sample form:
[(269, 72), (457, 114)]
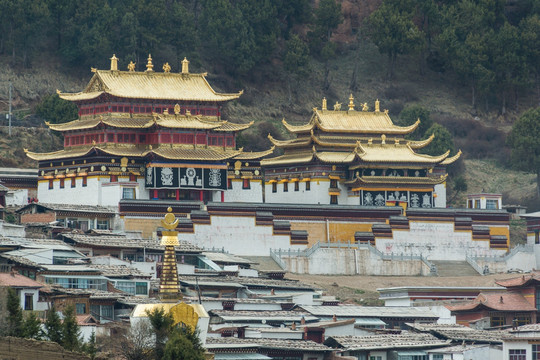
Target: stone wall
[(24, 349)]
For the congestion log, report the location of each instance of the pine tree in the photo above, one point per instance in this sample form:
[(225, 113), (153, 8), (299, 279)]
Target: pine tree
[(90, 346), (15, 314), (53, 326), (32, 326), (162, 324), (70, 330), (183, 344)]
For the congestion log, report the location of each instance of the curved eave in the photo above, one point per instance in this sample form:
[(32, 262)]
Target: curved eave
[(254, 155), (193, 154), (185, 122), (336, 157), (61, 154), (231, 127), (422, 143), (298, 128), (400, 154), (80, 96), (290, 143), (398, 180), (123, 151), (303, 158), (452, 159)]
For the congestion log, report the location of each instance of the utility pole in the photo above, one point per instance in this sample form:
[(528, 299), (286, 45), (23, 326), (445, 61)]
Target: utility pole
[(9, 112)]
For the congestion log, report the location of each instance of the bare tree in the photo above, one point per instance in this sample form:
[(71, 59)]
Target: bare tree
[(138, 343)]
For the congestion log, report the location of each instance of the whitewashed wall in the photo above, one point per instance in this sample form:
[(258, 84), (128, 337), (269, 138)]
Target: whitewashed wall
[(238, 194), (238, 235), (435, 241), (440, 200), (318, 193), (17, 197)]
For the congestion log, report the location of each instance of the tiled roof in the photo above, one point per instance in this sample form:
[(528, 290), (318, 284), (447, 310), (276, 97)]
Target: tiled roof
[(501, 301), (19, 281), (125, 242), (246, 315), (77, 208), (150, 85), (299, 345), (114, 271), (523, 280), (368, 311), (252, 282), (456, 332), (388, 341)]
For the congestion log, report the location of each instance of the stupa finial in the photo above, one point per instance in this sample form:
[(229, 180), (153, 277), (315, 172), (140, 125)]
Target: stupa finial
[(149, 65)]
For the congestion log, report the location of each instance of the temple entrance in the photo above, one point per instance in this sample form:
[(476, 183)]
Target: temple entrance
[(182, 195)]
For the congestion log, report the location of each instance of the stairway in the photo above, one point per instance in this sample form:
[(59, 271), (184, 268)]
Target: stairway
[(263, 263), (454, 268)]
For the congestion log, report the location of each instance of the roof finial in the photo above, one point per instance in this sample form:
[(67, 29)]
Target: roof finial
[(185, 66), (365, 107), (177, 109), (377, 105), (351, 103), (383, 139), (149, 65), (167, 67), (131, 66), (114, 63), (324, 103)]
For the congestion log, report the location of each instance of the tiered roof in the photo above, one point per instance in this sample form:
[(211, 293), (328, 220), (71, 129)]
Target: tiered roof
[(354, 137)]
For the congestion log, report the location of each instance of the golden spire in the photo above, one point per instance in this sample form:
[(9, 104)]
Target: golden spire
[(131, 66), (185, 66), (149, 65), (324, 103), (351, 103), (114, 63), (167, 67), (377, 106), (169, 289)]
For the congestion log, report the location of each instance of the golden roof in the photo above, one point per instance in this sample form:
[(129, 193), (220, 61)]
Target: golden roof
[(395, 153), (187, 152), (141, 122), (398, 180), (361, 122), (149, 85), (421, 143), (288, 159), (194, 153), (254, 154), (452, 159), (298, 142)]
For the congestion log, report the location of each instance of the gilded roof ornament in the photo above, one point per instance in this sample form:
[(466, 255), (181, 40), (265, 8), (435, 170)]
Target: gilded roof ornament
[(93, 69), (170, 221), (188, 112), (324, 103), (337, 106), (396, 141), (185, 66), (383, 139), (351, 103), (114, 63), (166, 111), (386, 111), (58, 92), (177, 109), (149, 65), (370, 141), (365, 107), (167, 67), (131, 66), (377, 105)]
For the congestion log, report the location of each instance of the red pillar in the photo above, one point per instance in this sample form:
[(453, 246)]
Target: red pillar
[(223, 196), (177, 194), (200, 195), (155, 194)]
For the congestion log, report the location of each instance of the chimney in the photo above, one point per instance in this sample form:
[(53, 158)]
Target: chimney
[(272, 292), (12, 273), (293, 326), (185, 66), (501, 299), (334, 318), (303, 320), (114, 63)]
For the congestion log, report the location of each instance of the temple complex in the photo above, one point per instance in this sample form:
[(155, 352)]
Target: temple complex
[(355, 157), (148, 135)]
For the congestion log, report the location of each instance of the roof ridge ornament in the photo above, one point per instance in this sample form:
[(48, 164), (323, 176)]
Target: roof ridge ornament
[(351, 103), (114, 63), (324, 104), (383, 139), (377, 105), (166, 67), (177, 109), (131, 66), (149, 65), (185, 66), (337, 106)]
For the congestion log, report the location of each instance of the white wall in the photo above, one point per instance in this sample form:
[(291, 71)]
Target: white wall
[(17, 197), (11, 230), (440, 190), (238, 194), (238, 235), (435, 241), (318, 193), (35, 296)]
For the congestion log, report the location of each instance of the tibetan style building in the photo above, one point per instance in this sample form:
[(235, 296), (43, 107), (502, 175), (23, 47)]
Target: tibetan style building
[(353, 157), (148, 135)]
